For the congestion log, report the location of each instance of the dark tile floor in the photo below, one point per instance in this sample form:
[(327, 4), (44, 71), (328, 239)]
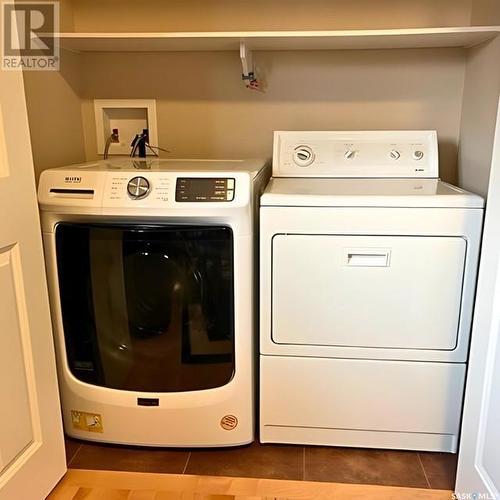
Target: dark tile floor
[(312, 463)]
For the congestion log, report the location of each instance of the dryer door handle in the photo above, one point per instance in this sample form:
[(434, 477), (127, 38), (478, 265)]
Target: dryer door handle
[(367, 257)]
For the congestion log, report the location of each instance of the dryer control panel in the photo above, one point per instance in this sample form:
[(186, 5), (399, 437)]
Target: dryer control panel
[(356, 154)]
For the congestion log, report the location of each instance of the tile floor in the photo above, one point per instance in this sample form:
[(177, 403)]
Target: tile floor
[(312, 463)]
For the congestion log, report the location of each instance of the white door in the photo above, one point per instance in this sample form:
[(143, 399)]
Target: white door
[(32, 456), (479, 459)]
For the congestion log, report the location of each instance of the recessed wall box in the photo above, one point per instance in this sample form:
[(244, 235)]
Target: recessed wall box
[(130, 117)]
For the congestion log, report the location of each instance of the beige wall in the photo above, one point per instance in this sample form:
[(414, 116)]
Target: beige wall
[(205, 111), (480, 103), (54, 108), (54, 113), (66, 13), (206, 15), (203, 108), (485, 12)]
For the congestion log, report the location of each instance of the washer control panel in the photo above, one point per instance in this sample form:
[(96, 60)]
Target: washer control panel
[(202, 189), (166, 189), (138, 187), (157, 188), (356, 154)]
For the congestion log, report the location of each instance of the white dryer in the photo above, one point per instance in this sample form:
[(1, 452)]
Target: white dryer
[(151, 275), (368, 273)]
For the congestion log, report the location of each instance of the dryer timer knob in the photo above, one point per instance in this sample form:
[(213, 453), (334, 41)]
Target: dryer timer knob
[(303, 156)]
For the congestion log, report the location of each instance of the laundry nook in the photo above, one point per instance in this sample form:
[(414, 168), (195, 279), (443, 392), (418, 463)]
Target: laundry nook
[(250, 250)]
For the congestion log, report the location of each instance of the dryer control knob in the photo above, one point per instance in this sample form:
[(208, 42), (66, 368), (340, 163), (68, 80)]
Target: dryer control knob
[(349, 154), (394, 154), (418, 155), (138, 187), (303, 156)]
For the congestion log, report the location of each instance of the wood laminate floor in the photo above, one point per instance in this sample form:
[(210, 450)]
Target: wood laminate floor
[(108, 485)]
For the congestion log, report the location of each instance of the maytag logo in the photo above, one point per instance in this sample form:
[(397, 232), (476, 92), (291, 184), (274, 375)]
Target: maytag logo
[(72, 179)]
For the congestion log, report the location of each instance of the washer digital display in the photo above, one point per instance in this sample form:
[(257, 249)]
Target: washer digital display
[(203, 189)]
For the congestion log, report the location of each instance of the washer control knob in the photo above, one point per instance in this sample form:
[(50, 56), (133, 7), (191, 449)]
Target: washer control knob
[(138, 187), (394, 154), (418, 155), (349, 154), (303, 156)]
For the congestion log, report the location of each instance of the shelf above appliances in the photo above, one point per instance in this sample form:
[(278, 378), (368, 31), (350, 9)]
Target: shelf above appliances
[(279, 40)]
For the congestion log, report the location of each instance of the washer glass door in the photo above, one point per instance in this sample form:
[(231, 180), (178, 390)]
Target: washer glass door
[(147, 308)]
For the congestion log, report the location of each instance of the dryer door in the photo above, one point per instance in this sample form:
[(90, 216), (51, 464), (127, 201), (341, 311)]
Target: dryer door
[(400, 292)]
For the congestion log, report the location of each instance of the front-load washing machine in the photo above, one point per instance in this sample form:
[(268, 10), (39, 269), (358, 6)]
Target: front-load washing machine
[(368, 271), (151, 274)]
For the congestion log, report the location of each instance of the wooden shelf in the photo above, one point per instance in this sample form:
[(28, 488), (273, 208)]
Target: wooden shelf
[(279, 40)]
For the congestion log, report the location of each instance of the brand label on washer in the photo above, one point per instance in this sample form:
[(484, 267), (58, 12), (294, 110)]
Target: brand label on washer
[(228, 422), (73, 179), (83, 421)]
